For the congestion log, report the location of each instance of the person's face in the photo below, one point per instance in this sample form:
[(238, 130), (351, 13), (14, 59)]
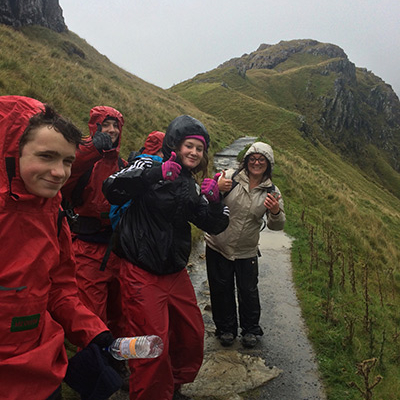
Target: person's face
[(110, 126), (45, 162), (257, 165), (191, 152)]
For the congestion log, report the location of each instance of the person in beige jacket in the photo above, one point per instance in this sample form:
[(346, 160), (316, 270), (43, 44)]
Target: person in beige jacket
[(233, 254)]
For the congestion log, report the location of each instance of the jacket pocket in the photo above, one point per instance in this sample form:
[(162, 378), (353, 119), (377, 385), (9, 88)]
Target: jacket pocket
[(22, 317)]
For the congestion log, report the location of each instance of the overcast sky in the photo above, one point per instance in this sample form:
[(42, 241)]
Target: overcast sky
[(166, 42)]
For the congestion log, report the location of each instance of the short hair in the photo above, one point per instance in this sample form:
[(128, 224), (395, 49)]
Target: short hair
[(48, 117)]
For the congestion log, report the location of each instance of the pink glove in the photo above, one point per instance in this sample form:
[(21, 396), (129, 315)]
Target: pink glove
[(209, 188), (170, 169)]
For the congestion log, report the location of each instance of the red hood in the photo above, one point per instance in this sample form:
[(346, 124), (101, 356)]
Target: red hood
[(99, 114), (15, 112)]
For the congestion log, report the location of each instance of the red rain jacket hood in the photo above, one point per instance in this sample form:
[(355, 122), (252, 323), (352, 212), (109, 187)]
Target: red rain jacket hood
[(15, 112), (100, 113)]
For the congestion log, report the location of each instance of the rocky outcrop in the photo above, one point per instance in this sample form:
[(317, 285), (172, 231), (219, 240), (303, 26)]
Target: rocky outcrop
[(269, 56), (47, 13), (356, 113)]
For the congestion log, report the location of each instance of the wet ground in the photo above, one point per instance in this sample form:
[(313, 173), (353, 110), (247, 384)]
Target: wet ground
[(226, 158), (282, 366)]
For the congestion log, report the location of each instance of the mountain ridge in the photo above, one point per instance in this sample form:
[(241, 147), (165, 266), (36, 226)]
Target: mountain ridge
[(346, 108), (268, 56)]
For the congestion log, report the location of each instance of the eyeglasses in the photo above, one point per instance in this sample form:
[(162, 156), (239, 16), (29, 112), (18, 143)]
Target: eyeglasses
[(261, 160)]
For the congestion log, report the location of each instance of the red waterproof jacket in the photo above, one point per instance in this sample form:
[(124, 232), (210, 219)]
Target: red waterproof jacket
[(38, 295), (103, 165)]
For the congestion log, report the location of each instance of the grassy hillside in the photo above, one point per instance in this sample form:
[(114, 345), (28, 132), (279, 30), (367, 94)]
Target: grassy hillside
[(346, 223), (66, 71)]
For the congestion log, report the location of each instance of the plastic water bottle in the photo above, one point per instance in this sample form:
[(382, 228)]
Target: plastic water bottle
[(150, 346)]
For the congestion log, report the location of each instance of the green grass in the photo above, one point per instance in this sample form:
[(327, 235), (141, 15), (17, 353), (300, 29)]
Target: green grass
[(344, 218)]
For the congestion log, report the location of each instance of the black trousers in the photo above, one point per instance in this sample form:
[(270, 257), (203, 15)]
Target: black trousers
[(222, 275)]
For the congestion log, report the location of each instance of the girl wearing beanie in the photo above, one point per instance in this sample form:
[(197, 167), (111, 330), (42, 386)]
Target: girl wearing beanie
[(154, 239)]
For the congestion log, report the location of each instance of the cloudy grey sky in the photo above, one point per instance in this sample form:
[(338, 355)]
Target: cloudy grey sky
[(166, 42)]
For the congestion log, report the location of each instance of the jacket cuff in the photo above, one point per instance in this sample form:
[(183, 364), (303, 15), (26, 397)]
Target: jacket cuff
[(153, 175), (103, 339)]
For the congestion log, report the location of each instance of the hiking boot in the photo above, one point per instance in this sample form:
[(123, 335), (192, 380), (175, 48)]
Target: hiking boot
[(226, 339), (249, 340)]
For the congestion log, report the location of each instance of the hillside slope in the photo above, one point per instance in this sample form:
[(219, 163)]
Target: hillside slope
[(64, 70)]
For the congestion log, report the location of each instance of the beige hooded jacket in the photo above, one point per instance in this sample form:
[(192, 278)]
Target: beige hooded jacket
[(240, 239)]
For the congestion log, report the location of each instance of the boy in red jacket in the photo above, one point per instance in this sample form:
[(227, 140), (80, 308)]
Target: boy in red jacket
[(39, 301)]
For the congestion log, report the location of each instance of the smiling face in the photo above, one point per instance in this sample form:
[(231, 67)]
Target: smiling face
[(45, 162), (257, 165), (110, 126), (191, 152)]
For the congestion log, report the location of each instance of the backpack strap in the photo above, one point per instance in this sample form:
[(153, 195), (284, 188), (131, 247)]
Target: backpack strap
[(271, 188), (69, 214), (103, 264), (107, 253), (61, 215), (76, 195), (121, 164)]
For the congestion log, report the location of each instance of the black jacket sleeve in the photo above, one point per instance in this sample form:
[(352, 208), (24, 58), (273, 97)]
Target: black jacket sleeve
[(132, 181), (212, 218)]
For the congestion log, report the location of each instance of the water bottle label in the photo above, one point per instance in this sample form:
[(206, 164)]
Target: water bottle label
[(127, 348)]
